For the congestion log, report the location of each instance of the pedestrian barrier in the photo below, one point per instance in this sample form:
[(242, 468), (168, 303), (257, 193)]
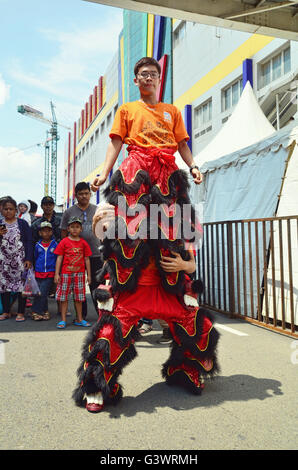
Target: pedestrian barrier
[(250, 271)]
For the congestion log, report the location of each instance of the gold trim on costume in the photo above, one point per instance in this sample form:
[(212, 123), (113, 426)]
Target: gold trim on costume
[(195, 332)]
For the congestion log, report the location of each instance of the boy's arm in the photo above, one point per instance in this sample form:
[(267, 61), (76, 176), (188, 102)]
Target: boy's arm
[(112, 153), (176, 264), (88, 269), (63, 225), (186, 155), (58, 268)]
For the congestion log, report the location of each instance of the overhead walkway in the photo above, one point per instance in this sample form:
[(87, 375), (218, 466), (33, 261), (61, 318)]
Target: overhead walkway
[(272, 18)]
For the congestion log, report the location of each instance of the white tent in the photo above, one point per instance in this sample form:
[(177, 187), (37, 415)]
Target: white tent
[(246, 183), (246, 126)]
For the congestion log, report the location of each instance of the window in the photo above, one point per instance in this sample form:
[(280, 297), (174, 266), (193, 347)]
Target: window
[(109, 120), (179, 33), (275, 67), (203, 114), (203, 118), (230, 95)]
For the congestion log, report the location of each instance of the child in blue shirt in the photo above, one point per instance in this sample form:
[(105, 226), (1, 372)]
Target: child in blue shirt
[(45, 262)]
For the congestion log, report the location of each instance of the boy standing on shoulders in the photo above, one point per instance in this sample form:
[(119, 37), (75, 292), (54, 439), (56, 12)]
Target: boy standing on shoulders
[(73, 259)]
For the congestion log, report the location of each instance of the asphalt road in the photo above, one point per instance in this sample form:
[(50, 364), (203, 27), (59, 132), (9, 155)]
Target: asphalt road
[(252, 404)]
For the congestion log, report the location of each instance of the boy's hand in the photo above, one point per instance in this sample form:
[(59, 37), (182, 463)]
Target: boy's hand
[(57, 278), (197, 176), (89, 279), (97, 182), (27, 264), (170, 264)]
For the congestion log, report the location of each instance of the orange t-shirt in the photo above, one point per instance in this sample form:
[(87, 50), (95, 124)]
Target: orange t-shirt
[(159, 125)]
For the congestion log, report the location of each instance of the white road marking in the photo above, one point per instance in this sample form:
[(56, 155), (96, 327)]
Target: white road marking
[(230, 330)]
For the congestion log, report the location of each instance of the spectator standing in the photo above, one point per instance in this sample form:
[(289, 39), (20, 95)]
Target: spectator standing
[(49, 215), (45, 263), (85, 211), (73, 259), (16, 255)]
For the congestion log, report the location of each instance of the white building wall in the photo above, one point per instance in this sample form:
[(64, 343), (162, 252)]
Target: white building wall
[(91, 154), (198, 49)]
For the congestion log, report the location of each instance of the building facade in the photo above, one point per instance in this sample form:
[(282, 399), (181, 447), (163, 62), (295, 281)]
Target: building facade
[(204, 70)]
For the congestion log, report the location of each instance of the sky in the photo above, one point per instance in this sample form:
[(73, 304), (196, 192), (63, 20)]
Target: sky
[(50, 50)]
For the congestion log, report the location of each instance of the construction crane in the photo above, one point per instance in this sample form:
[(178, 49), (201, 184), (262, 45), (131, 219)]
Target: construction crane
[(51, 144)]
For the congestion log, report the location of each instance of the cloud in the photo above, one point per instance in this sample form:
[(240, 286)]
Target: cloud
[(4, 91), (21, 173), (82, 54)]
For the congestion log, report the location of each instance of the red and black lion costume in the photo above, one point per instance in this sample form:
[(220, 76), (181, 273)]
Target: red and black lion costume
[(138, 287)]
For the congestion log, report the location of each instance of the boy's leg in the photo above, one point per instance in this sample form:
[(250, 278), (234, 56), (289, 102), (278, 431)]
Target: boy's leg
[(78, 306), (62, 292), (64, 305), (79, 294), (40, 303)]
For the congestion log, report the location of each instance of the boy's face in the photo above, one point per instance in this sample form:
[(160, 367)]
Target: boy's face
[(147, 79), (75, 229), (22, 208), (46, 233)]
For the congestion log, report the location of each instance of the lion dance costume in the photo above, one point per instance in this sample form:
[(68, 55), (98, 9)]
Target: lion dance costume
[(137, 285)]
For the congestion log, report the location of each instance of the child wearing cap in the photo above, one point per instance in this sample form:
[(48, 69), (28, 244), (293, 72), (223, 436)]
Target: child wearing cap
[(72, 262), (45, 262)]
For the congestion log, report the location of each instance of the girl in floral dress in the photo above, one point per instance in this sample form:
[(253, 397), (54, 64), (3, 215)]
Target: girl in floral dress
[(15, 258)]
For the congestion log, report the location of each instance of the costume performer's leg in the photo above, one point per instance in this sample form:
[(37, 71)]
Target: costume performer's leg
[(108, 348), (193, 353)]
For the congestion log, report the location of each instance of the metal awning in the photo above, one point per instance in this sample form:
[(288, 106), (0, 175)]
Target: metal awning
[(272, 18)]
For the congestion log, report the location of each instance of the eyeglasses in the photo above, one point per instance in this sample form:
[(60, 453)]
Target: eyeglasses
[(148, 74)]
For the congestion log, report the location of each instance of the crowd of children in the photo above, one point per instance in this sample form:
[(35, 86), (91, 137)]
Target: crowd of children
[(61, 264)]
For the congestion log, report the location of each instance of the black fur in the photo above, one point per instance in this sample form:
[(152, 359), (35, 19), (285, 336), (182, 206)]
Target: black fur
[(92, 378), (189, 343)]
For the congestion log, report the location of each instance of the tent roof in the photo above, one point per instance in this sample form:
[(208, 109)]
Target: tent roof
[(282, 138), (247, 183), (246, 126)]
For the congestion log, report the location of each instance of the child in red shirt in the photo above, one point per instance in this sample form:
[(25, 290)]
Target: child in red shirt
[(73, 259)]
